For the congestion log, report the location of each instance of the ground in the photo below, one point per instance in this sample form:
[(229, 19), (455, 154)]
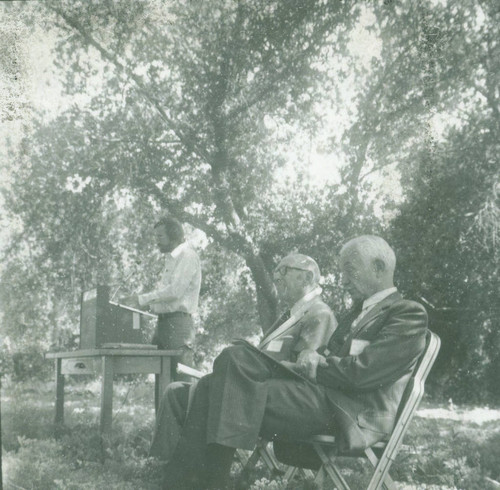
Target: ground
[(447, 447)]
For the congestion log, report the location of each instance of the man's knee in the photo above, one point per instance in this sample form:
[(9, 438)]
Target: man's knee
[(234, 354), (175, 387), (176, 394)]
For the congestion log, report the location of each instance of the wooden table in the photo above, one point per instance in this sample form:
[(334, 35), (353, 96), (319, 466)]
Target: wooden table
[(110, 362)]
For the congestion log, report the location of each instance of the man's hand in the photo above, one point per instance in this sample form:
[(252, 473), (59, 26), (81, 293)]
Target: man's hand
[(308, 362), (290, 365)]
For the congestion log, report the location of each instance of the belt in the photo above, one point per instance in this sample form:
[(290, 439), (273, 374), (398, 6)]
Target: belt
[(173, 314)]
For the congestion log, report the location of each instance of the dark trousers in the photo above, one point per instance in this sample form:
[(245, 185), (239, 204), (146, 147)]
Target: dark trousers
[(175, 331), (230, 408)]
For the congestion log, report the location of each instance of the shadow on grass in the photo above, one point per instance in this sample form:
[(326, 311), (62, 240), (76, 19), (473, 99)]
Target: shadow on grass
[(437, 453)]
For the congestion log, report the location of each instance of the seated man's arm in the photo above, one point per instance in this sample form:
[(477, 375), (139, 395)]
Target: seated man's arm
[(386, 358), (308, 362), (318, 326)]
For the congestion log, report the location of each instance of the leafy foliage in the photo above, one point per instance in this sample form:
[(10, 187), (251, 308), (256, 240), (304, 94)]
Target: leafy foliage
[(200, 108), (460, 273)]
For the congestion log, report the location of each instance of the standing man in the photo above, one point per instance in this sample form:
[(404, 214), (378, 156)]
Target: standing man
[(175, 298), (354, 392)]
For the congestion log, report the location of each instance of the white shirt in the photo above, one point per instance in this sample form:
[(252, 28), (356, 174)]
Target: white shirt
[(370, 302), (179, 286)]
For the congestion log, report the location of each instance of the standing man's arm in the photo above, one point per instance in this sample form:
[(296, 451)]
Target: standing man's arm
[(181, 276)]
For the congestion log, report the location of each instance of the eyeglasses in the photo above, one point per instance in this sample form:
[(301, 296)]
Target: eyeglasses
[(284, 268)]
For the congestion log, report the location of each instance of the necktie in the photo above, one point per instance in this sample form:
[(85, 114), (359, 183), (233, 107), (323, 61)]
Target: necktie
[(351, 316), (337, 340), (356, 321), (282, 319)]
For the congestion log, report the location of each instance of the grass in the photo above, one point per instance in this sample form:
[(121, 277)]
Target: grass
[(455, 452)]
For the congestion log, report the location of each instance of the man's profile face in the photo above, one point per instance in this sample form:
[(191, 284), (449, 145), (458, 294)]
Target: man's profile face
[(162, 239), (358, 274), (289, 283)]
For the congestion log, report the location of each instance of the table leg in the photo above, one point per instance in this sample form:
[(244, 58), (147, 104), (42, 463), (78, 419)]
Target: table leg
[(59, 418), (163, 379), (107, 394)]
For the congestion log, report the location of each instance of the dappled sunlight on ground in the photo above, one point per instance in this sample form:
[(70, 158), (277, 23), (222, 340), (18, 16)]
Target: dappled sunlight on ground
[(423, 486), (478, 415), (86, 409), (446, 445)]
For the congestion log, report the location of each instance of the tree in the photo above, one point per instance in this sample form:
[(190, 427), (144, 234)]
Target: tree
[(196, 108), (449, 263), (179, 125), (198, 82), (446, 232)]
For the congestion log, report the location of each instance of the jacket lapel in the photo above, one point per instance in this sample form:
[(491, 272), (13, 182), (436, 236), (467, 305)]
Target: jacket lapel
[(377, 310), (282, 319), (368, 320), (301, 307)]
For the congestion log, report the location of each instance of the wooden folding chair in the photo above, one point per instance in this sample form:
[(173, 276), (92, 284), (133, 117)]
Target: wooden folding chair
[(380, 455)]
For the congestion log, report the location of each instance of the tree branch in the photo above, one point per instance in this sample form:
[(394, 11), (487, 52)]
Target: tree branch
[(72, 22), (286, 72), (489, 99), (373, 120), (373, 170), (234, 242)]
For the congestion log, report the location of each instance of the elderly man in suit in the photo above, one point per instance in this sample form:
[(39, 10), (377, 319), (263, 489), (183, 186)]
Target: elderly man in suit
[(353, 392), (306, 325)]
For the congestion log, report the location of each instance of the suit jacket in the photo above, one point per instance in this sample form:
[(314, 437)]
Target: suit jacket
[(364, 390), (366, 379), (311, 331)]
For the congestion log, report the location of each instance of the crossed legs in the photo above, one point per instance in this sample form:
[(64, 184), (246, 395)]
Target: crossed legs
[(231, 407)]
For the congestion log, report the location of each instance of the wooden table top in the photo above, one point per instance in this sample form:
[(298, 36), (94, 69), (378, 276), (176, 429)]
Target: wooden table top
[(113, 352)]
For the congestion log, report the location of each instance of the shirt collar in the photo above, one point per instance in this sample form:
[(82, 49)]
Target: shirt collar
[(378, 297), (307, 298), (177, 250)]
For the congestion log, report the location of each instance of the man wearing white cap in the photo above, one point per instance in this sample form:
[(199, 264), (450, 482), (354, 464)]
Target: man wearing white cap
[(306, 325), (309, 322)]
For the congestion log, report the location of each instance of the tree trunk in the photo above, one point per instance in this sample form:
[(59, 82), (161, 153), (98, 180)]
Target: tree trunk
[(267, 303)]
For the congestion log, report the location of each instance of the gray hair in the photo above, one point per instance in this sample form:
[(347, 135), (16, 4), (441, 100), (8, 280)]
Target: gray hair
[(374, 248)]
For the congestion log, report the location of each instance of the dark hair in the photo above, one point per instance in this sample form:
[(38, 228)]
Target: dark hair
[(173, 227)]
